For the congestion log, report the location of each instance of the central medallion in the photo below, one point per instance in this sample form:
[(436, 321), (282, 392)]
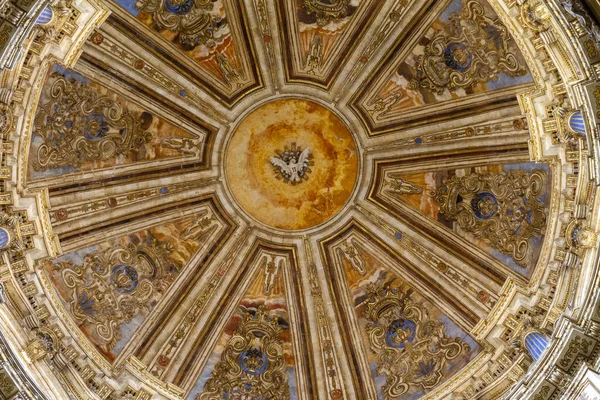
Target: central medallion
[(291, 164)]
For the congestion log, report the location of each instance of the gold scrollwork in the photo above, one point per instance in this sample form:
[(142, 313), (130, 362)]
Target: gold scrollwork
[(77, 125), (472, 49), (504, 209), (112, 286), (413, 349), (252, 366), (190, 18)]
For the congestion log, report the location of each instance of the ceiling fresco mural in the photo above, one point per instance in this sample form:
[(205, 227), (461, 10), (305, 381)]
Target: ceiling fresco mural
[(115, 131), (500, 208), (296, 199), (257, 339), (465, 55), (210, 35), (321, 35), (292, 181), (412, 346), (110, 286)]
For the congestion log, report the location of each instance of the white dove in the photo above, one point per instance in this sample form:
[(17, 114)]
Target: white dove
[(293, 167)]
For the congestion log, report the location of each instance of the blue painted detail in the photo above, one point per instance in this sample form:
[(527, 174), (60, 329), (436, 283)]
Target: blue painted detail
[(505, 80), (179, 7), (398, 235), (182, 92), (485, 205), (4, 238), (87, 305), (536, 343), (125, 278), (458, 57), (575, 234), (96, 127), (129, 5), (426, 369), (399, 332), (45, 16), (418, 140), (576, 123), (493, 35), (253, 361), (164, 190)]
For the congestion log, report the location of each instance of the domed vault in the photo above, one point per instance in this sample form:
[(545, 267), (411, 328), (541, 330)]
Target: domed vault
[(299, 199)]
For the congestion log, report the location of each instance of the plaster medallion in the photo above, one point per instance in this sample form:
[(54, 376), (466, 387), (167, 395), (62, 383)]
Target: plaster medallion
[(291, 164)]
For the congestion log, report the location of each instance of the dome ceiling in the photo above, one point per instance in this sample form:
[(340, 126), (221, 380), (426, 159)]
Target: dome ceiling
[(297, 199)]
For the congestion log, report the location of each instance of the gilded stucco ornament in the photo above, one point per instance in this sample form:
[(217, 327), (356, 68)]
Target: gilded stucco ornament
[(326, 11), (579, 237), (501, 208), (472, 49), (191, 19), (252, 364), (524, 331), (533, 15), (6, 112), (78, 125), (413, 349), (10, 233), (566, 124), (45, 344), (6, 118), (112, 286), (62, 12), (577, 10), (7, 386)]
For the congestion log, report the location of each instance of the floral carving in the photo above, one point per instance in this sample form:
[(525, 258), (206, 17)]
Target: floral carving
[(472, 49), (112, 286), (412, 349), (503, 208), (252, 365), (77, 125), (191, 19)]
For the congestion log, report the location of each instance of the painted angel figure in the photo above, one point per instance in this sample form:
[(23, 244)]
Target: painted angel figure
[(293, 169)]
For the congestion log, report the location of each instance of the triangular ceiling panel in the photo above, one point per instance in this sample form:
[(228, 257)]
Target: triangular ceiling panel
[(110, 287), (256, 353), (321, 35), (82, 126), (211, 34), (405, 344), (464, 55), (500, 208)]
